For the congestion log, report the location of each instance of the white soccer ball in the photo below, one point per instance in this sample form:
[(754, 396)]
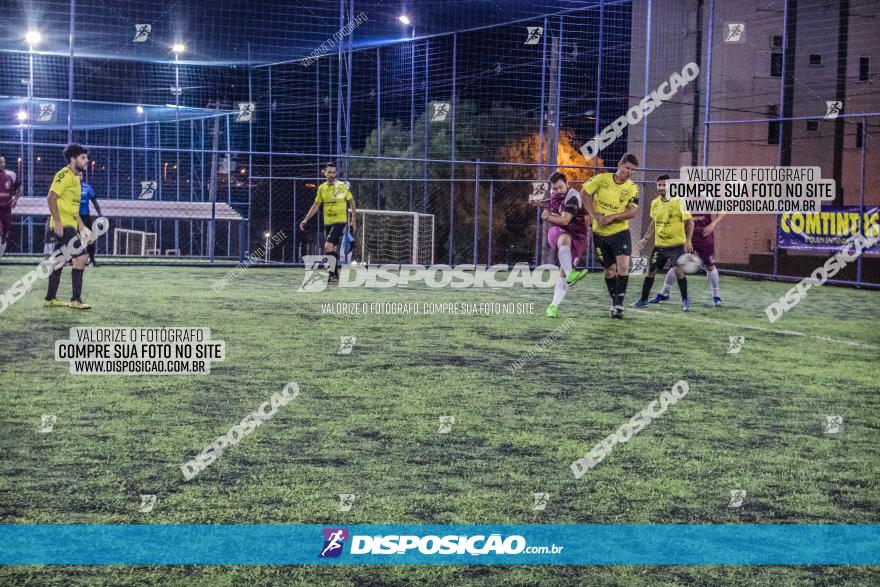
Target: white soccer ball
[(689, 263)]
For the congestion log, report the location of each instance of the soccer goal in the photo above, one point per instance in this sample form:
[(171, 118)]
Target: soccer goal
[(133, 243), (395, 237)]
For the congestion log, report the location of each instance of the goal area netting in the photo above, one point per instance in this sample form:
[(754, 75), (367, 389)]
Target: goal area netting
[(133, 243), (394, 237)]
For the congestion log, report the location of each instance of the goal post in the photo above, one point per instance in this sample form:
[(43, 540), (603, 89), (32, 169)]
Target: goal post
[(133, 243), (405, 238)]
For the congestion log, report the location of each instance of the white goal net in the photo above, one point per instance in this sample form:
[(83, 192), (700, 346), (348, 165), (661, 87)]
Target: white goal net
[(394, 237), (133, 243)]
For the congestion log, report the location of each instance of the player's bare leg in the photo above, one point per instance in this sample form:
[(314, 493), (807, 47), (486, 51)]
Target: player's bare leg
[(565, 267)]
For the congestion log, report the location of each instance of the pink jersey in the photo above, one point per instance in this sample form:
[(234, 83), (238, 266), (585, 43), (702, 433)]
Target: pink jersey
[(572, 204)]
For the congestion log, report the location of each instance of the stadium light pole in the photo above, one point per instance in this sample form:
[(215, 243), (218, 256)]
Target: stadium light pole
[(405, 20), (177, 49), (32, 38)]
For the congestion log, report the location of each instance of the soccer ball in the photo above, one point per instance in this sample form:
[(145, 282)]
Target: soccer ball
[(689, 263)]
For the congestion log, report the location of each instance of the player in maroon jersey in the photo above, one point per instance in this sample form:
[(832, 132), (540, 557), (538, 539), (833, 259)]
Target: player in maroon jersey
[(704, 246), (567, 233), (10, 190)]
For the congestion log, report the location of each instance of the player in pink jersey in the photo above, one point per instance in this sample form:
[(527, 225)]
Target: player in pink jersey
[(704, 246), (567, 233)]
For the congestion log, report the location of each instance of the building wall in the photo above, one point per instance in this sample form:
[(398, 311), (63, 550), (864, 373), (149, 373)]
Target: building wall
[(742, 87)]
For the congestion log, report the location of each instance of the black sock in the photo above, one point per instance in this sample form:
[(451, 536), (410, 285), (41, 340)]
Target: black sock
[(91, 249), (683, 287), (54, 281), (77, 276), (335, 255), (611, 283), (646, 288), (622, 281)]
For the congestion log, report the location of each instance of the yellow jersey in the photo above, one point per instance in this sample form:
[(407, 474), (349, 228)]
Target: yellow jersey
[(669, 218), (69, 190), (335, 201), (610, 197)]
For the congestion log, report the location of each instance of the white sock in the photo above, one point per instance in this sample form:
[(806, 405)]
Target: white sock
[(668, 282), (714, 282), (565, 259), (560, 291)]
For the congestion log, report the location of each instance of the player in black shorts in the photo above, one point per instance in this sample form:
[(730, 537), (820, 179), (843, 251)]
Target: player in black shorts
[(336, 198), (670, 230)]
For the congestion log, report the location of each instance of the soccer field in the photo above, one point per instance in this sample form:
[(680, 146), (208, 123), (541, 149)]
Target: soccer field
[(369, 423)]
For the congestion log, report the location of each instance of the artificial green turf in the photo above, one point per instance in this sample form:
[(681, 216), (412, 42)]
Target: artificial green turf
[(367, 423)]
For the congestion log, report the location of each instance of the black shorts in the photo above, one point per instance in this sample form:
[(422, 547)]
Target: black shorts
[(334, 233), (663, 256), (608, 248), (69, 235)]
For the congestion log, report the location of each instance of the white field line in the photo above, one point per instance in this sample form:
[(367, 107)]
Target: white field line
[(686, 316)]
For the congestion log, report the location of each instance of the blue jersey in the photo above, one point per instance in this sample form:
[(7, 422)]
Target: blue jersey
[(87, 194)]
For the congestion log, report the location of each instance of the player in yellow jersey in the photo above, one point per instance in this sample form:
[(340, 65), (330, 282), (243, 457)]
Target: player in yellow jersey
[(611, 200), (64, 221), (672, 227), (336, 198)]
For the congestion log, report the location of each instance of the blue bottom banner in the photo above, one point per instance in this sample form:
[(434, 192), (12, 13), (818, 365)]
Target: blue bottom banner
[(617, 544)]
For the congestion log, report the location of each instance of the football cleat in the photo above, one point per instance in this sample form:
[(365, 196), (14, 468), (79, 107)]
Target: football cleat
[(617, 312), (640, 303), (575, 275), (54, 303), (716, 301), (78, 305), (552, 310), (685, 305), (659, 298)]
